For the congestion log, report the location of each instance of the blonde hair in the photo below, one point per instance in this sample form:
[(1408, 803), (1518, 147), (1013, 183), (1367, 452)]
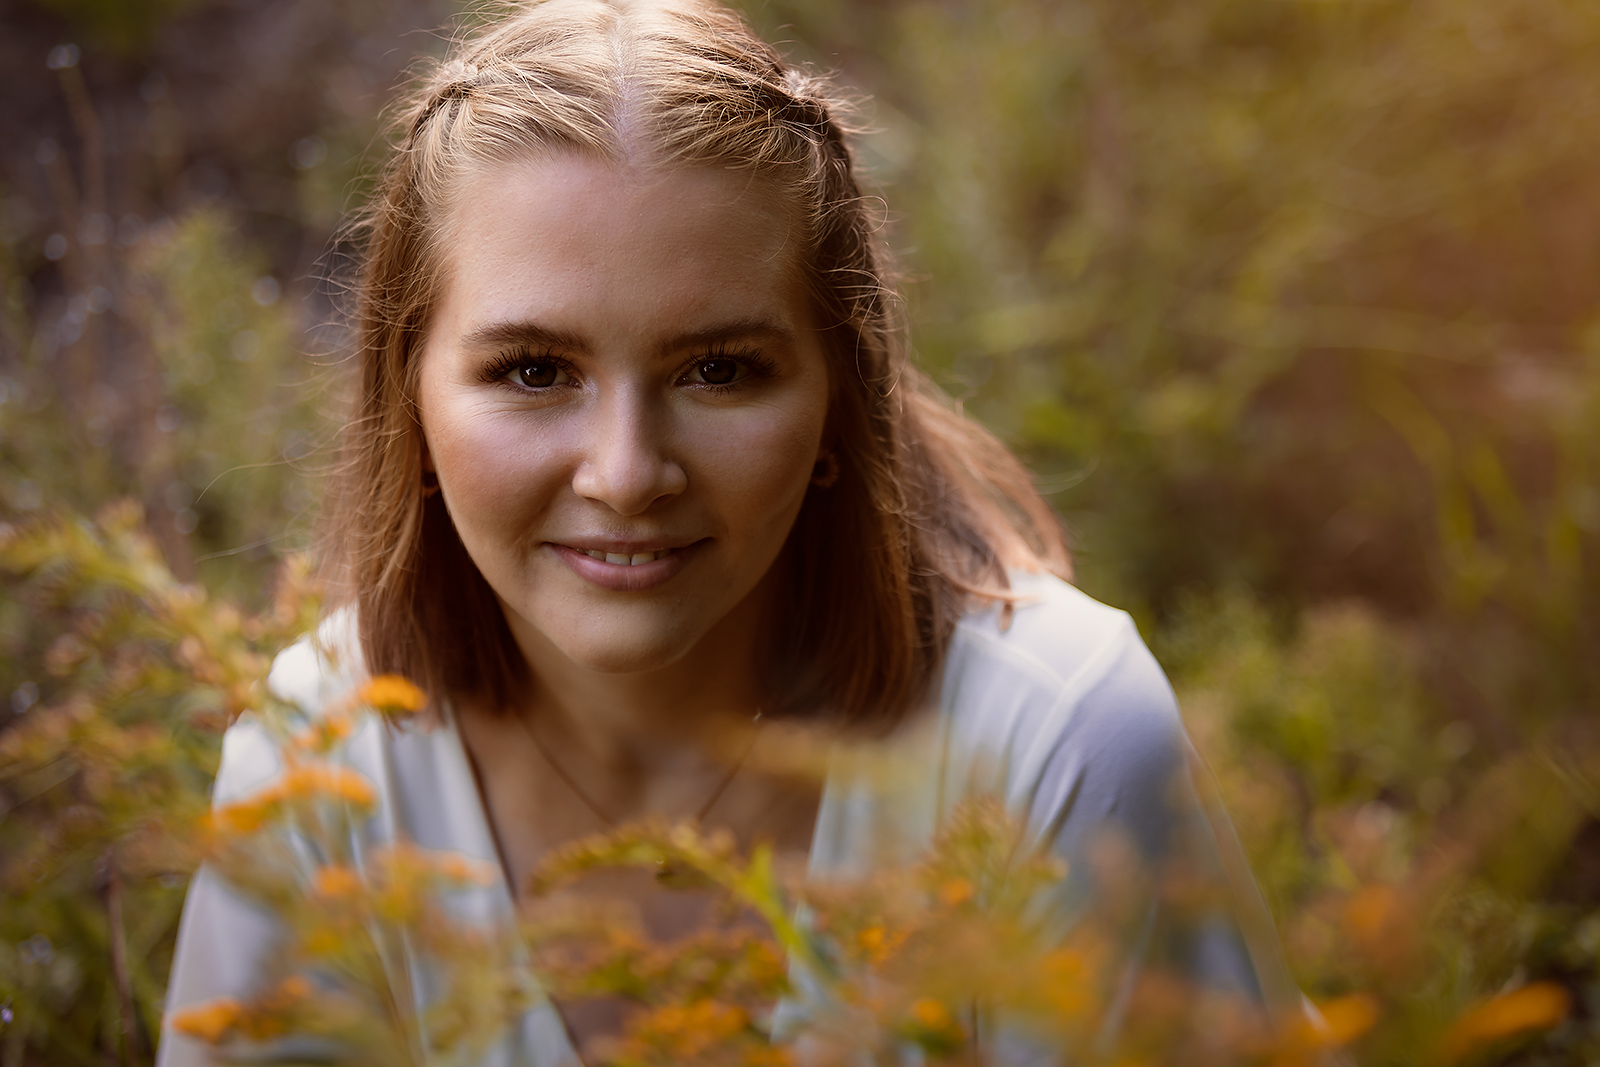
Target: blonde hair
[(929, 509)]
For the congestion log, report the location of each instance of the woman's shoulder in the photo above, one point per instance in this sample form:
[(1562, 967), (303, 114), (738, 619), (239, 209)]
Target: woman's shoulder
[(1064, 689), (1056, 644), (311, 675), (320, 667)]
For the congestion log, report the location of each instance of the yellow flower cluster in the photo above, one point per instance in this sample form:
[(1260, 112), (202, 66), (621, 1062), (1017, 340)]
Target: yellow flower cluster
[(458, 868), (211, 1021), (1304, 1042), (399, 888), (214, 1021), (1069, 982), (930, 1023), (328, 731), (931, 1014), (684, 1031), (956, 892), (336, 882), (392, 696), (877, 942), (1538, 1006), (408, 864), (301, 782)]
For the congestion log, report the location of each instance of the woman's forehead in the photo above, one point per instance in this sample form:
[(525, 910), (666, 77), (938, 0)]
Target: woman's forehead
[(577, 237), (580, 184)]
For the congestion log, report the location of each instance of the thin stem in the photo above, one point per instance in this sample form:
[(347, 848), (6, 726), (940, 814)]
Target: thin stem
[(127, 1032)]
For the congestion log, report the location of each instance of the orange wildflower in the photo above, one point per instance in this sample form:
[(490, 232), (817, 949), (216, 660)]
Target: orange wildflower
[(1538, 1006), (306, 781), (459, 868), (1347, 1018), (402, 899), (211, 1021), (392, 696), (295, 987), (270, 1015), (325, 733), (1377, 919), (1370, 911), (322, 941), (955, 892), (241, 818), (931, 1014), (1342, 1021), (685, 1031), (1068, 982), (263, 1026), (310, 780), (336, 882)]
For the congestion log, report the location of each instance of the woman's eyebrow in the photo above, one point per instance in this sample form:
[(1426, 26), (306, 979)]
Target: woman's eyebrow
[(773, 328), (533, 335), (528, 334)]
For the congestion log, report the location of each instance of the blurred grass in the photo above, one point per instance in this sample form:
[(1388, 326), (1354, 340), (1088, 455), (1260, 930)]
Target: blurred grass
[(1292, 304)]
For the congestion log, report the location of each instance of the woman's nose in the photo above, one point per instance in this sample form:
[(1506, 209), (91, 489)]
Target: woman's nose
[(626, 466)]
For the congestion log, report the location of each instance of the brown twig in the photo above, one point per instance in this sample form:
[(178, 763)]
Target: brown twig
[(127, 1035)]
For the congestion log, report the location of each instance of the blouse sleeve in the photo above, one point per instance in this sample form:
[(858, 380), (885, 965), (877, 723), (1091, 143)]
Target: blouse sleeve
[(224, 940), (1122, 796), (1066, 714)]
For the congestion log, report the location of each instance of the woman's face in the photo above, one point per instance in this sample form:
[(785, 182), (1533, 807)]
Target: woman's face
[(623, 396)]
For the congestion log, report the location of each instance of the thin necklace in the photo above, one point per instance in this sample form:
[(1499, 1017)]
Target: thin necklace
[(600, 813)]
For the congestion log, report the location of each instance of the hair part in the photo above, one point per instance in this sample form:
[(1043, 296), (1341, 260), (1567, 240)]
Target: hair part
[(929, 510)]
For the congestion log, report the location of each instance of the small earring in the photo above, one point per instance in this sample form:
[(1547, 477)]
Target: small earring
[(430, 484), (825, 472)]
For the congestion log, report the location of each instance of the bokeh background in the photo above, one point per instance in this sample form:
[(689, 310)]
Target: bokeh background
[(1292, 305)]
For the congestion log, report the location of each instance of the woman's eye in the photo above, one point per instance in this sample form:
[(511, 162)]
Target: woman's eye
[(718, 371), (540, 374)]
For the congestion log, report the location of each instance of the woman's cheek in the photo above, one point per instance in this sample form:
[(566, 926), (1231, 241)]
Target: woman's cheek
[(498, 464), (763, 459)]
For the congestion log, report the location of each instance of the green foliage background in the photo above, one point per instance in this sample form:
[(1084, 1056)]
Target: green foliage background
[(1291, 304)]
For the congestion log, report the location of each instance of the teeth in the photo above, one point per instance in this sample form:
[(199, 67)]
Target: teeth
[(627, 560)]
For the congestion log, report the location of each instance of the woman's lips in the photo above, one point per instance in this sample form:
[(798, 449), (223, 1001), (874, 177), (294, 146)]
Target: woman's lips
[(631, 570)]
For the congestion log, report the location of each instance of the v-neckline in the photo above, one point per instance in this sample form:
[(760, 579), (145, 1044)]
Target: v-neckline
[(505, 891)]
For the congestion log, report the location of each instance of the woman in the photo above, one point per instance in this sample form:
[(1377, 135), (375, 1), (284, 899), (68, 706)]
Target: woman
[(640, 464)]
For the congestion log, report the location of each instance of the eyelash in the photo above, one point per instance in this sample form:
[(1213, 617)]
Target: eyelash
[(498, 371), (759, 366)]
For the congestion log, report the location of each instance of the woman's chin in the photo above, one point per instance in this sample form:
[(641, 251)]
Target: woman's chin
[(706, 630), (612, 653)]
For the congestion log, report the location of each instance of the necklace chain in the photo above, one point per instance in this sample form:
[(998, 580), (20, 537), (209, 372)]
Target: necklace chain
[(600, 813)]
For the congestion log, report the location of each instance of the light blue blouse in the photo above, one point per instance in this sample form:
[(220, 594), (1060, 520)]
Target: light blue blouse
[(1063, 712)]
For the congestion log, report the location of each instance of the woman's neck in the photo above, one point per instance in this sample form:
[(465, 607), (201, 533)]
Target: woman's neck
[(588, 750), (668, 720)]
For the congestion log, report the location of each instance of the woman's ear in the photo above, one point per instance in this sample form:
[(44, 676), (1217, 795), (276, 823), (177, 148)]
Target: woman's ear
[(825, 467), (430, 473), (825, 471), (422, 445)]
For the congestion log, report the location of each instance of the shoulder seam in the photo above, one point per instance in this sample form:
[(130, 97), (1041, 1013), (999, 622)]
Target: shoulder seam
[(1096, 665), (1116, 637)]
